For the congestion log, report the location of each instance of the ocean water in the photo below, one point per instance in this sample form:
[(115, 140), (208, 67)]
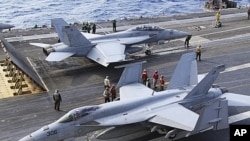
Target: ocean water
[(27, 13)]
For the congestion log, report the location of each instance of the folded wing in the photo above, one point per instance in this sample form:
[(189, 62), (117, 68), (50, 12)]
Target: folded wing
[(108, 52)]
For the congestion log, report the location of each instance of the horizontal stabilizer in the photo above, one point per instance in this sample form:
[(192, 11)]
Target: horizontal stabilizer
[(40, 45), (176, 116), (135, 90), (58, 56), (236, 99)]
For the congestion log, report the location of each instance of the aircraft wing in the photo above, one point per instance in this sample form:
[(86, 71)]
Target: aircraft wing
[(176, 116), (108, 52), (124, 41), (59, 56), (236, 99), (89, 35), (134, 40)]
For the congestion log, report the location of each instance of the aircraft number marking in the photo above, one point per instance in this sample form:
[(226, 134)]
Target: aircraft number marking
[(50, 133)]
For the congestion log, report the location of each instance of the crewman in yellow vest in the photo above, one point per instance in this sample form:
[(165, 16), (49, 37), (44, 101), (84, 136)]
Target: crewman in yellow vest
[(198, 52), (217, 16)]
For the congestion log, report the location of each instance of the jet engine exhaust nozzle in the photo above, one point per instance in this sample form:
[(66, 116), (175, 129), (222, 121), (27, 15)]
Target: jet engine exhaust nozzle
[(48, 50)]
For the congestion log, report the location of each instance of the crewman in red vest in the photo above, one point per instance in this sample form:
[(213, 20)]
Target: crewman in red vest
[(162, 82), (155, 78), (112, 92), (144, 76)]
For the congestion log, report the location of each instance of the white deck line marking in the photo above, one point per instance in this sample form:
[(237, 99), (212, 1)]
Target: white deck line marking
[(32, 37), (243, 66), (234, 68), (239, 117)]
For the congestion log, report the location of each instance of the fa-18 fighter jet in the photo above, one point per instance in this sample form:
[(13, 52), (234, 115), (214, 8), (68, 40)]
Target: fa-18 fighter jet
[(186, 107), (104, 49), (5, 26)]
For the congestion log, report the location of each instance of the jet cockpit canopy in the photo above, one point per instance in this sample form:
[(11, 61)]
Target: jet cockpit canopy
[(146, 27), (78, 113)]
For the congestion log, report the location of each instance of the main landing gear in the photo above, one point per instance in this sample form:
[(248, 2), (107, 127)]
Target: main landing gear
[(148, 50)]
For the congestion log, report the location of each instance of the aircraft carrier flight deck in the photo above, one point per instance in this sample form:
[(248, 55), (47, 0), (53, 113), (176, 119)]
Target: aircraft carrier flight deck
[(80, 80)]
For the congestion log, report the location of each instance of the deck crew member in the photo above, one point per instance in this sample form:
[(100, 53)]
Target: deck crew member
[(93, 28), (57, 99), (148, 83), (112, 92), (162, 82), (144, 76), (217, 16), (106, 82), (106, 95), (155, 78), (187, 40), (88, 28), (198, 52), (114, 25)]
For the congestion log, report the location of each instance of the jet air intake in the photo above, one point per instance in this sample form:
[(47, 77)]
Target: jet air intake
[(131, 50), (48, 50)]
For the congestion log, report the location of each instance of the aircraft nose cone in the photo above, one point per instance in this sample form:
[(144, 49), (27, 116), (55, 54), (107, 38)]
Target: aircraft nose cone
[(182, 34)]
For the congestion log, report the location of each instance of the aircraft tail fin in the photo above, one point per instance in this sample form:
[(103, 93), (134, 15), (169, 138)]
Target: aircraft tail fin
[(206, 83), (131, 74), (58, 24), (185, 73), (74, 38)]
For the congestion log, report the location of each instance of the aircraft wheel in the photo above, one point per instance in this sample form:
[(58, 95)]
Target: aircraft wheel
[(148, 52), (172, 136)]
